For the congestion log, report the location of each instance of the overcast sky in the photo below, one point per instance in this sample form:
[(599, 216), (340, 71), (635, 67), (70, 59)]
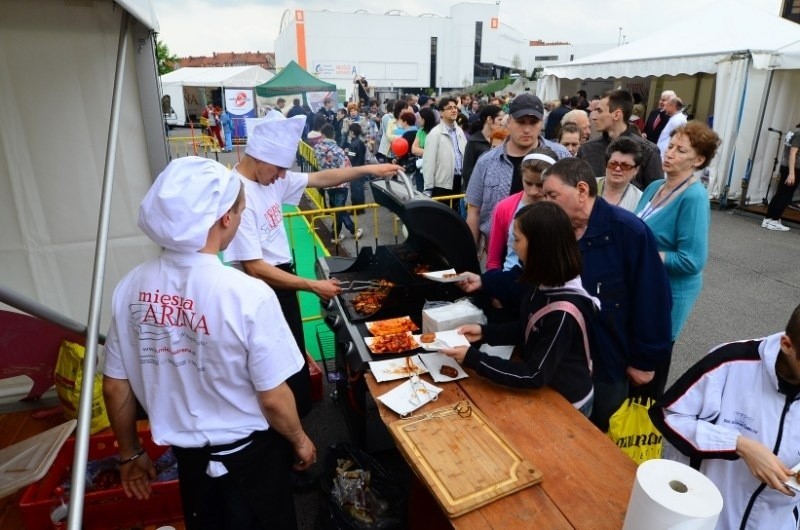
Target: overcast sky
[(199, 27)]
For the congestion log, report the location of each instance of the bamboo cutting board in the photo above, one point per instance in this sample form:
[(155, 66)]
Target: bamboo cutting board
[(463, 459)]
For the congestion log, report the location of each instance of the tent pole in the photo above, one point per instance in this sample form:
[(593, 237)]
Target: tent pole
[(723, 198), (756, 138), (78, 482)]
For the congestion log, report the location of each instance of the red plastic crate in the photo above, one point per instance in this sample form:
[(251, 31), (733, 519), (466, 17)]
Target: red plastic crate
[(108, 509), (316, 379)]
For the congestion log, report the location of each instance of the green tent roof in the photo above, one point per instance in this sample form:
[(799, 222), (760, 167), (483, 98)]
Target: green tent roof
[(293, 79)]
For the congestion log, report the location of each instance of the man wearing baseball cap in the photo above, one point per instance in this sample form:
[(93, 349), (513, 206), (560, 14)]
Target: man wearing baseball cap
[(205, 351), (497, 173), (261, 246)]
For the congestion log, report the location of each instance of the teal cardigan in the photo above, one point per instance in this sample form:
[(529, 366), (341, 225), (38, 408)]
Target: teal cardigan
[(681, 231)]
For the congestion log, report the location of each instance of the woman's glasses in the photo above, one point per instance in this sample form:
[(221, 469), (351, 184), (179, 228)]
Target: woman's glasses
[(624, 166)]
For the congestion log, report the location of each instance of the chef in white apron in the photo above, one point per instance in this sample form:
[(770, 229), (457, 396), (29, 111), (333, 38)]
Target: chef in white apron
[(206, 351)]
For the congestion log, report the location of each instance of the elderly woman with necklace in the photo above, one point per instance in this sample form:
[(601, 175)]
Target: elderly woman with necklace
[(623, 158), (677, 211)]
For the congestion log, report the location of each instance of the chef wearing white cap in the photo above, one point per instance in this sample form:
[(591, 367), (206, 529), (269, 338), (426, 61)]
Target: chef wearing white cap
[(261, 247), (205, 351)]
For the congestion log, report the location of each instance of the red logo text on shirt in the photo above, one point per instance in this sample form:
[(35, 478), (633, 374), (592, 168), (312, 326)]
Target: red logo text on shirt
[(169, 310), (273, 215)]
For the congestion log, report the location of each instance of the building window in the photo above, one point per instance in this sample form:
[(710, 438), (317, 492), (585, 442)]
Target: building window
[(791, 10), (434, 53), (480, 72), (546, 58)]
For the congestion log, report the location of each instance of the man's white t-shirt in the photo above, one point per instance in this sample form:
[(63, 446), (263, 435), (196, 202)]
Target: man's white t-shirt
[(261, 234), (197, 340), (674, 122)]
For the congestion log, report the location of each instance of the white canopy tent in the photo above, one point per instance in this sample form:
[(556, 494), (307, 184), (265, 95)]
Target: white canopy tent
[(82, 130), (739, 43), (218, 76), (187, 86)]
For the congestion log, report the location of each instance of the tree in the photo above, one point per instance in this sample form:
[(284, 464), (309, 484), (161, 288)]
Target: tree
[(165, 61), (516, 62)]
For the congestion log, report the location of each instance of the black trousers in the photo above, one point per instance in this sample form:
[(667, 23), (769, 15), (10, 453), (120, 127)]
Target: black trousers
[(253, 495), (783, 194), (300, 383), (444, 192)]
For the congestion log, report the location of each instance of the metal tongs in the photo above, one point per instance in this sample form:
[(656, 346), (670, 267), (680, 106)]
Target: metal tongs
[(358, 285)]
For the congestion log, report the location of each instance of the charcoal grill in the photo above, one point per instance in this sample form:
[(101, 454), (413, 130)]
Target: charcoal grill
[(438, 238)]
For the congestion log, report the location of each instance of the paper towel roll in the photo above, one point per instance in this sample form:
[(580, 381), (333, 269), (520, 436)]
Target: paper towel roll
[(671, 495)]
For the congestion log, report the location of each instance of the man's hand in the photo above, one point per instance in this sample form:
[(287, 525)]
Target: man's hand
[(305, 452), (326, 289), (764, 465), (471, 284), (790, 178), (458, 353), (136, 477), (471, 332), (638, 377), (386, 171)]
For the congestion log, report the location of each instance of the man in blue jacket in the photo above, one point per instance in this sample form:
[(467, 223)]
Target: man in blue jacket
[(622, 268)]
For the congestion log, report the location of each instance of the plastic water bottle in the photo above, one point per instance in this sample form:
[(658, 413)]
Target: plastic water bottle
[(58, 515)]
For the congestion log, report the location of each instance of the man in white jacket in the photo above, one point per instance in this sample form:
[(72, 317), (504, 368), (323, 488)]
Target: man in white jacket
[(444, 154), (736, 415)]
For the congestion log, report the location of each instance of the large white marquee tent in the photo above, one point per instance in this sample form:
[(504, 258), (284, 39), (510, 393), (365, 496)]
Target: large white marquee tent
[(218, 76), (755, 56)]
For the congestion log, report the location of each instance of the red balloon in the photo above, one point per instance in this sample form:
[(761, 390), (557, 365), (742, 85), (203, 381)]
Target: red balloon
[(399, 146)]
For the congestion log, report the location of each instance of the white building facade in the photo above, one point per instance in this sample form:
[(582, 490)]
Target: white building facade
[(397, 51)]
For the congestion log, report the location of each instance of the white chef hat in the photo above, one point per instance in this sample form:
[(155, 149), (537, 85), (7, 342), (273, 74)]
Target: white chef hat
[(275, 139), (185, 201)]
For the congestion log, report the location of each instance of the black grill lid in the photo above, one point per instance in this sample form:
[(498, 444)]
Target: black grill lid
[(432, 226)]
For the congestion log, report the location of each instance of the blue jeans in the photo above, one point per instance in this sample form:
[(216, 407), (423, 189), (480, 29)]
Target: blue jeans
[(338, 197), (357, 197), (228, 139)]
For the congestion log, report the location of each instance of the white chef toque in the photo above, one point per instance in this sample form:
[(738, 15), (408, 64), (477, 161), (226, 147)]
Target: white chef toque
[(275, 139), (185, 201)]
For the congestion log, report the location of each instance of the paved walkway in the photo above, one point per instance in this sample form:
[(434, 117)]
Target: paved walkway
[(751, 285)]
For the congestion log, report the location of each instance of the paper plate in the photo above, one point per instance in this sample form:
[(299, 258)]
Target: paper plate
[(444, 339), (410, 396), (434, 362), (792, 482), (504, 352), (446, 276), (392, 369)]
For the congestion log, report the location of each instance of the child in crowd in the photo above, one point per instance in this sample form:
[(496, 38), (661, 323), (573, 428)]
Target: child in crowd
[(356, 151)]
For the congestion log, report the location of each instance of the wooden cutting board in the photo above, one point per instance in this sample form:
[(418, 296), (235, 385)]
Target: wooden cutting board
[(463, 459)]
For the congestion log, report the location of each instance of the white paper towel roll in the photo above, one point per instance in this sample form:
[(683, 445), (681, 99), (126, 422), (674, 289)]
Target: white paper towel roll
[(672, 496)]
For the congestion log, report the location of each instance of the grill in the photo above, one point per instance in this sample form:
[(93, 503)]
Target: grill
[(438, 238)]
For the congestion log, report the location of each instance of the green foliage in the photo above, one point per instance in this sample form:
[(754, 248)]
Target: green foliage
[(494, 86), (165, 61)]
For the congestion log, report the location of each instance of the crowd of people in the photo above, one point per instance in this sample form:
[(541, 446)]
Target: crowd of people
[(595, 238)]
